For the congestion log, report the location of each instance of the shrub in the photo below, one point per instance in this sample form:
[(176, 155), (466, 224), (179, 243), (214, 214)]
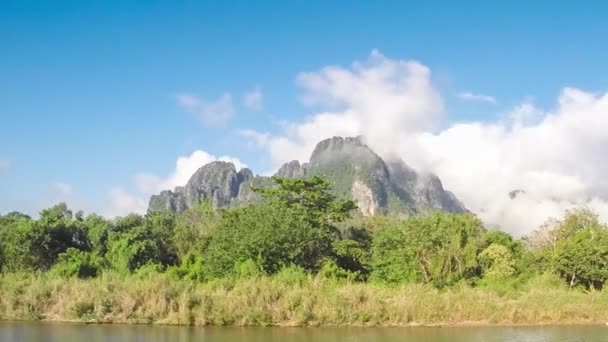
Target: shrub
[(75, 263), (291, 275)]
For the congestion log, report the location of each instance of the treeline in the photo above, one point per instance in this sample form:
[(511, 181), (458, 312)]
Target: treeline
[(303, 231)]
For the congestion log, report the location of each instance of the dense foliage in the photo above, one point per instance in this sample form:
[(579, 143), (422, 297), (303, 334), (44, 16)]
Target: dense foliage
[(303, 230)]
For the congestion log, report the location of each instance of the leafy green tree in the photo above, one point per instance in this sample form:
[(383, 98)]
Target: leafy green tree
[(270, 235), (440, 249), (497, 262), (295, 226), (312, 195), (191, 267), (353, 250), (544, 243), (193, 226), (515, 247), (575, 221), (136, 241), (583, 257), (97, 229), (31, 245), (76, 263), (8, 224), (354, 256), (393, 256)]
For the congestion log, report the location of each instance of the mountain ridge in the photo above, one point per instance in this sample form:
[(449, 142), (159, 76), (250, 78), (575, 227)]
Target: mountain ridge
[(354, 169)]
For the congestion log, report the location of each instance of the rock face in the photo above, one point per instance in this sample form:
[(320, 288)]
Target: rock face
[(355, 170)]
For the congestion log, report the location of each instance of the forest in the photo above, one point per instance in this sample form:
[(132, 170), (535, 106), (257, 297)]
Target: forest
[(302, 257)]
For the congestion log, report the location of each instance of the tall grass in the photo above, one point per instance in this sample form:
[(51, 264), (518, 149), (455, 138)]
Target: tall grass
[(279, 300)]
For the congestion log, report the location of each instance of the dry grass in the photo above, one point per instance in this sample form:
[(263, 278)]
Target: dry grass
[(265, 301)]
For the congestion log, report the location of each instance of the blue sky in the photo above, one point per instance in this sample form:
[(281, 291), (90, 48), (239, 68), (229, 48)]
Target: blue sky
[(89, 89)]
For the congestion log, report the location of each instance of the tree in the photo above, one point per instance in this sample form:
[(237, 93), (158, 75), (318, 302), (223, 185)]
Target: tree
[(440, 249), (393, 257), (270, 235), (296, 226), (497, 262), (76, 263), (135, 241), (97, 229), (583, 258), (544, 243), (192, 228), (8, 225), (312, 195), (354, 256), (31, 245)]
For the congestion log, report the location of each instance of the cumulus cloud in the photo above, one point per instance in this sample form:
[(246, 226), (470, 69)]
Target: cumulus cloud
[(380, 97), (468, 96), (121, 202), (62, 188), (185, 166), (254, 99), (210, 113), (557, 156)]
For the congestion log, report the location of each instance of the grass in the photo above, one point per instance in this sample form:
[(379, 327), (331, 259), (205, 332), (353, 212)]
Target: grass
[(267, 301)]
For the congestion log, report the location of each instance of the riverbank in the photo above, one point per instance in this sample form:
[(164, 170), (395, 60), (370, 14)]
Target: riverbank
[(265, 301)]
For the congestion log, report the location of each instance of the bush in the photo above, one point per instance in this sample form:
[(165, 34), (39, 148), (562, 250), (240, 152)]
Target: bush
[(393, 259), (75, 263), (248, 269), (190, 268), (331, 271), (136, 242), (291, 275), (440, 249)]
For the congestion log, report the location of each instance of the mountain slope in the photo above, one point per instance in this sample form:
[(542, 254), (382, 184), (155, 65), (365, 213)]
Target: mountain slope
[(355, 170)]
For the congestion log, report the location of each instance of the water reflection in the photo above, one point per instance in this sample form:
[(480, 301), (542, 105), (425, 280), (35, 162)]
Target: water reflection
[(55, 332)]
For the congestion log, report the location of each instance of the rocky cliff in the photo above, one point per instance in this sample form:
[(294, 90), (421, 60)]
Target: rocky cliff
[(357, 172)]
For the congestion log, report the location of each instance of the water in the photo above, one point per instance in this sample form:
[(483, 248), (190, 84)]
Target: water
[(56, 332)]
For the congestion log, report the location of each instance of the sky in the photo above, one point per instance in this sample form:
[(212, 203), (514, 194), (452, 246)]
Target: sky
[(103, 103)]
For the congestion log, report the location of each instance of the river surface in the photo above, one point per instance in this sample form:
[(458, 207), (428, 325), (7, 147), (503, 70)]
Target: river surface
[(60, 332)]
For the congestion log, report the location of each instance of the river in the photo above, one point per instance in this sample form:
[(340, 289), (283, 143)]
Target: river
[(60, 332)]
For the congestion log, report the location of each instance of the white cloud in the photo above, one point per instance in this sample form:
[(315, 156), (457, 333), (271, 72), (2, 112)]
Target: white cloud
[(185, 166), (209, 113), (468, 96), (121, 203), (557, 156), (254, 99), (62, 188), (378, 98)]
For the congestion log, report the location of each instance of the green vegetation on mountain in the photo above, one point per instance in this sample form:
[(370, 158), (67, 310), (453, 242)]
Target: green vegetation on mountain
[(300, 257), (354, 170)]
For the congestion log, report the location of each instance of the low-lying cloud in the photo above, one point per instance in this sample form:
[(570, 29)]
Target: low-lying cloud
[(185, 166), (556, 155), (121, 201)]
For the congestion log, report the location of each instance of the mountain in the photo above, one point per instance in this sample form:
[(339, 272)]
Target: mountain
[(355, 170)]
